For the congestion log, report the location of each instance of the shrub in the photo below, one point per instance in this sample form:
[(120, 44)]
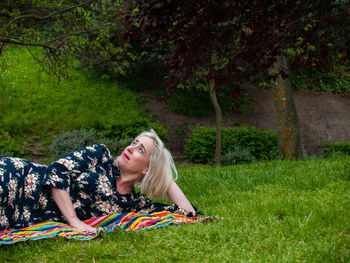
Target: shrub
[(5, 153), (261, 144), (72, 140), (336, 149), (237, 156), (9, 147), (131, 128), (200, 145)]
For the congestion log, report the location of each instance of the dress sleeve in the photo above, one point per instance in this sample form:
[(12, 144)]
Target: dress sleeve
[(61, 173)]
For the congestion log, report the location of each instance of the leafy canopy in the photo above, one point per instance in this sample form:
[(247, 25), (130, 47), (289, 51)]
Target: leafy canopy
[(87, 30), (247, 35)]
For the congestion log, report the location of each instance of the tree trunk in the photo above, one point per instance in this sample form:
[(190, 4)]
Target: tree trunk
[(287, 118), (218, 113)]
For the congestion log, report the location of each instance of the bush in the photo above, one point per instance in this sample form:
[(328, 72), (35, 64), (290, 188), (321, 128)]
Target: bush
[(261, 144), (200, 145), (72, 140), (5, 153), (336, 149), (131, 128), (9, 147), (237, 156)]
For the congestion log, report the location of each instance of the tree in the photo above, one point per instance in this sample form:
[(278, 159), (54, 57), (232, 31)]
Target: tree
[(287, 124), (87, 30), (248, 37)]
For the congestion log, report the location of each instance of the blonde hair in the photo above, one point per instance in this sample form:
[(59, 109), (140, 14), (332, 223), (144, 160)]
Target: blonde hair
[(161, 169)]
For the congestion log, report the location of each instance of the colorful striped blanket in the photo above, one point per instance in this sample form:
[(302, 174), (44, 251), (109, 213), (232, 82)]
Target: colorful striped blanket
[(104, 224)]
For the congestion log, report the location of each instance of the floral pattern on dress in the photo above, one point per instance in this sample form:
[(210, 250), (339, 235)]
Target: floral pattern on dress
[(21, 193), (88, 175)]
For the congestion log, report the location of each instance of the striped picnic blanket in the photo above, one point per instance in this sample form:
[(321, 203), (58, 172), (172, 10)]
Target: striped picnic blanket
[(110, 223)]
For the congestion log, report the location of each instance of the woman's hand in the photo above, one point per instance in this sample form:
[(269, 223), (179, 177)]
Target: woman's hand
[(79, 225)]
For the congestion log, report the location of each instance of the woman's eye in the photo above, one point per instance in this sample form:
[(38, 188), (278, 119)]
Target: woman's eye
[(140, 150)]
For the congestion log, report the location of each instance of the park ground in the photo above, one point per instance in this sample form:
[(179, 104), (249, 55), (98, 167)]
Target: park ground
[(323, 117)]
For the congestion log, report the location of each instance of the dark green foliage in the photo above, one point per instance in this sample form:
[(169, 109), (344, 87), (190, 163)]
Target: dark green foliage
[(200, 145), (70, 141), (8, 146), (196, 102), (191, 103), (144, 74), (131, 128), (337, 82), (336, 149)]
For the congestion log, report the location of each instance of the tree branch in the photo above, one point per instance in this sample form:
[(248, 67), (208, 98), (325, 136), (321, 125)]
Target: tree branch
[(42, 17), (68, 35), (23, 43)]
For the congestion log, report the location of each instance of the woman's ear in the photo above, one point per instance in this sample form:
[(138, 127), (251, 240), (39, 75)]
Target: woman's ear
[(144, 172), (142, 175)]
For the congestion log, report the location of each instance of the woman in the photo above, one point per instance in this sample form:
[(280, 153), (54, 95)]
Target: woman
[(89, 182)]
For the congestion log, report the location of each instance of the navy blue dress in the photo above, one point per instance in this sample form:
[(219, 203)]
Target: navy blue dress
[(88, 174)]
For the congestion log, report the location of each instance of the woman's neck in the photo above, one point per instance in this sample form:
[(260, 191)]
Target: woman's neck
[(125, 183)]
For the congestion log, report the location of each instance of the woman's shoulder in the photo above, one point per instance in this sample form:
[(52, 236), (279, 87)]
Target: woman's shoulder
[(90, 149), (93, 147)]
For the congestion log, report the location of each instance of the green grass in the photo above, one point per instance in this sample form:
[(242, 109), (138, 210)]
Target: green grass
[(273, 211), (34, 103)]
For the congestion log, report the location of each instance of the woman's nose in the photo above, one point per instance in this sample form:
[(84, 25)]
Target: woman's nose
[(130, 148)]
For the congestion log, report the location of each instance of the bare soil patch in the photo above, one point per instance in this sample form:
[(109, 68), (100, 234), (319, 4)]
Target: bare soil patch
[(322, 118)]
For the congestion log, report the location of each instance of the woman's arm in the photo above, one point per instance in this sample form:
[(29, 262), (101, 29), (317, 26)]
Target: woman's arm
[(65, 205), (62, 173), (178, 197)]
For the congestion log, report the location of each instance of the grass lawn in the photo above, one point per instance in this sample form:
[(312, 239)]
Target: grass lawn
[(34, 105), (276, 211)]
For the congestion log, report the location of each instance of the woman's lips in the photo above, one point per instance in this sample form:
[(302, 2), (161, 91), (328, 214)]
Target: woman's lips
[(125, 156)]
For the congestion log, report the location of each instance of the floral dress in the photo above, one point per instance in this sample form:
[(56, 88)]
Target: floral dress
[(88, 174)]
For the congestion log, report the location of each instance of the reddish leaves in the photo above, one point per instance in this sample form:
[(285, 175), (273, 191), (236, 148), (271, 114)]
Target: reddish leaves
[(247, 35)]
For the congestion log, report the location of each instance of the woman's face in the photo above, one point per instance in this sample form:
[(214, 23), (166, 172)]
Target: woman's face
[(135, 158)]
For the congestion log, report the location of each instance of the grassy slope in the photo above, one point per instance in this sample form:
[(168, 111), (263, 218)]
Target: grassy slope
[(35, 104), (272, 212)]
